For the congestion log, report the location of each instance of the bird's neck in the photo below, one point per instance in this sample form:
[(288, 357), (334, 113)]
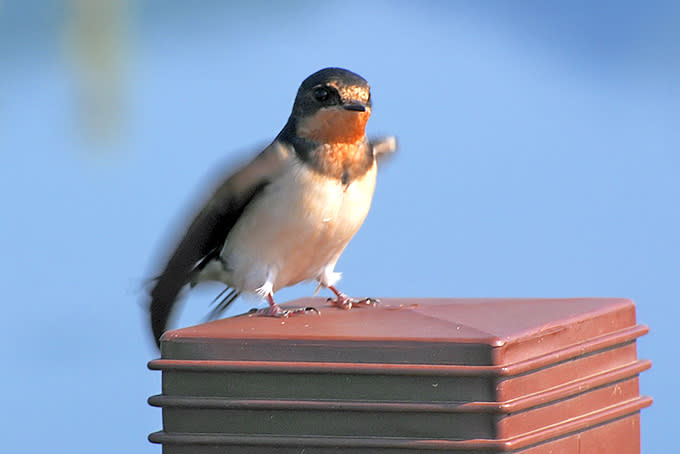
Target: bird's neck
[(340, 160)]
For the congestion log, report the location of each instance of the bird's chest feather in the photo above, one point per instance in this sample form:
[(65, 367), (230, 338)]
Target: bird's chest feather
[(301, 223), (326, 208)]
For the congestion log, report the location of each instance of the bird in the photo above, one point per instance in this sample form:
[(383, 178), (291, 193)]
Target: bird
[(287, 215)]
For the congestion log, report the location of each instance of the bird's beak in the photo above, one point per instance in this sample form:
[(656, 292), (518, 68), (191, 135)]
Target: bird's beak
[(354, 106)]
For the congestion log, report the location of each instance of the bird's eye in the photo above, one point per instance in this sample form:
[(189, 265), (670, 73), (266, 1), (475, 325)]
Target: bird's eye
[(321, 94)]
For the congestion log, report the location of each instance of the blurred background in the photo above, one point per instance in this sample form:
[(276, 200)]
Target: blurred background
[(540, 151)]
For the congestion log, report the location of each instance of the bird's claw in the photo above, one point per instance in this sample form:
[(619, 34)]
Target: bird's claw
[(347, 303), (304, 310), (277, 311)]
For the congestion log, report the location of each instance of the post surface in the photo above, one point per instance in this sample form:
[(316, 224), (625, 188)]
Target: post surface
[(411, 375)]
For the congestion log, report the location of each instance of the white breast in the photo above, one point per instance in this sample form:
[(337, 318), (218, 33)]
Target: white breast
[(296, 230)]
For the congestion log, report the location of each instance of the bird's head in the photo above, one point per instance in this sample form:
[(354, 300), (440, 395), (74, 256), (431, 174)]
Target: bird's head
[(332, 106)]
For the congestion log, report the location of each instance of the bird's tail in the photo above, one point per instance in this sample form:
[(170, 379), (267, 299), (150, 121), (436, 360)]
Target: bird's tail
[(163, 298)]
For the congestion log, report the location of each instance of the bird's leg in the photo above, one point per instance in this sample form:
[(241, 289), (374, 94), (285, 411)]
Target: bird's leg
[(345, 302), (274, 310)]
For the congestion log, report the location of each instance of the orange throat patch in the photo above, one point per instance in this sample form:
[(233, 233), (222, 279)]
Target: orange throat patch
[(334, 125)]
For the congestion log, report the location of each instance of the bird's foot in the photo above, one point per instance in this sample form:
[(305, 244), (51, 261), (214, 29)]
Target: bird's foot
[(274, 310), (345, 302), (277, 311)]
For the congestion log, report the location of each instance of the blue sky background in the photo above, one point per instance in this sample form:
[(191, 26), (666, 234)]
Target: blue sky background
[(540, 151)]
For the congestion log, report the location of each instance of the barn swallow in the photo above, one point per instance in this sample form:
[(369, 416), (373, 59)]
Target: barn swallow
[(286, 216)]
